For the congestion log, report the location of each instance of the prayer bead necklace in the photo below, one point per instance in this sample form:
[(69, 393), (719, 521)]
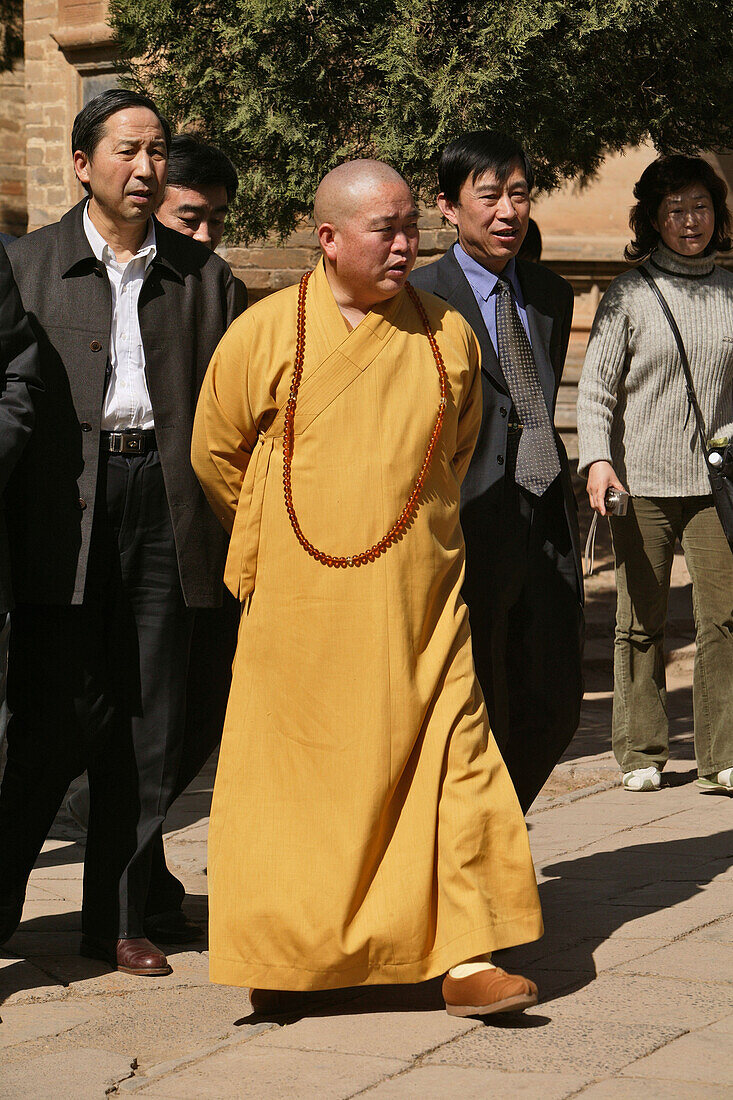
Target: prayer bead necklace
[(289, 444)]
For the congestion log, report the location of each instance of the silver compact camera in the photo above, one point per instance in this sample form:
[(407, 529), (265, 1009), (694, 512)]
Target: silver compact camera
[(616, 502)]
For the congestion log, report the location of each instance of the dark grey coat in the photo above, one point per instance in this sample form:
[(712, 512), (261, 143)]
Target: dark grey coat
[(187, 302), (20, 383), (549, 303)]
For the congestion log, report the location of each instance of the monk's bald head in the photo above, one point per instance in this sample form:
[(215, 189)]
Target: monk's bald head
[(366, 221), (345, 190)]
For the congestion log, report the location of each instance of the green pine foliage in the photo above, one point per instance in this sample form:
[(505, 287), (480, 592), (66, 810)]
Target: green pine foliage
[(289, 88), (11, 32)]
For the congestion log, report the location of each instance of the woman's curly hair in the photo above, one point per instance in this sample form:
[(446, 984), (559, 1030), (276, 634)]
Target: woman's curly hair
[(663, 177)]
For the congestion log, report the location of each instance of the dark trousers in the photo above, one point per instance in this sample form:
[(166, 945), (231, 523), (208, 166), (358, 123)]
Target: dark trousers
[(521, 589), (213, 646), (102, 686)]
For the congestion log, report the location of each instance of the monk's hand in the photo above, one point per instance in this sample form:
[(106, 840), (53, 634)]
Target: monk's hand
[(601, 477)]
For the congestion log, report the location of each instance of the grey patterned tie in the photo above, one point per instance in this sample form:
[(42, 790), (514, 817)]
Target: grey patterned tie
[(537, 461)]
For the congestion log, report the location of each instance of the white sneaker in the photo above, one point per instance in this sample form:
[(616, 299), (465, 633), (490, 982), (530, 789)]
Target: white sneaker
[(723, 781), (643, 779)]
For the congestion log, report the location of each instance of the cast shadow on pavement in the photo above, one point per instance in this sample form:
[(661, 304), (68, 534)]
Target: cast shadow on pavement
[(359, 1001), (591, 898), (44, 951)]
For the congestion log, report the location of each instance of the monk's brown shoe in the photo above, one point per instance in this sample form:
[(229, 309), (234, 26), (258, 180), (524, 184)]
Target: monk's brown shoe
[(135, 956), (488, 992)]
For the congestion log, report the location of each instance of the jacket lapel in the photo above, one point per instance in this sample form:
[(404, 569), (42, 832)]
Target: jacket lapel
[(541, 320), (453, 286)]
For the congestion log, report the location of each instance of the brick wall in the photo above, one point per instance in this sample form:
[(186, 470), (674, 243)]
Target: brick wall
[(267, 265), (52, 96), (13, 207)]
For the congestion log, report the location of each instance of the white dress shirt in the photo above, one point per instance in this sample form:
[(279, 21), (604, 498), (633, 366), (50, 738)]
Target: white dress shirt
[(126, 399)]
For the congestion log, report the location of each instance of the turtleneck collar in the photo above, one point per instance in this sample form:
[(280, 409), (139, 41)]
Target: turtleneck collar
[(691, 267)]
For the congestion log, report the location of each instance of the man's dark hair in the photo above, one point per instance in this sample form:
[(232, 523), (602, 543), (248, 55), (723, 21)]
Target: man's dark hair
[(89, 124), (664, 176), (477, 152), (193, 163)]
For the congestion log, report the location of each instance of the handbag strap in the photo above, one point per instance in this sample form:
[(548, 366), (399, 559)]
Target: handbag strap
[(691, 395)]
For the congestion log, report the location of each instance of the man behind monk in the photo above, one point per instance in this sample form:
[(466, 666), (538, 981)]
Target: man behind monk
[(364, 828)]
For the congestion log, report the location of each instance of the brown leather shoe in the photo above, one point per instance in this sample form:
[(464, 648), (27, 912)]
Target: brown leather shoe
[(487, 992), (134, 956)]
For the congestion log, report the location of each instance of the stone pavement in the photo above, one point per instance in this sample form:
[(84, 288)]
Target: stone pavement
[(634, 969)]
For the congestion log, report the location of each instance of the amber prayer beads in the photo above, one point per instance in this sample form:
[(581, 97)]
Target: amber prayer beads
[(410, 507)]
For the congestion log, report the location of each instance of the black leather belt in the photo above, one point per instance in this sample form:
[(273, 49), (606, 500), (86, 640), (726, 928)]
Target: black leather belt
[(136, 441)]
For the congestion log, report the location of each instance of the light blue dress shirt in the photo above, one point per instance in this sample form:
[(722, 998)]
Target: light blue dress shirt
[(483, 284)]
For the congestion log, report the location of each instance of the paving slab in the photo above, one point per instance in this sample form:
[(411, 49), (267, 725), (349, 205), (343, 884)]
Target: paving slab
[(631, 1088), (85, 1076), (258, 1070), (718, 894), (23, 1022), (163, 1025), (69, 890), (701, 1057), (28, 944), (719, 932), (641, 1000), (89, 976), (592, 957), (38, 909), (22, 982), (589, 1045), (634, 922), (440, 1082), (401, 1035), (710, 963)]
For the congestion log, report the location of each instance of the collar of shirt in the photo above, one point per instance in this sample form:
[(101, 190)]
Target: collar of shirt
[(147, 251), (483, 282)]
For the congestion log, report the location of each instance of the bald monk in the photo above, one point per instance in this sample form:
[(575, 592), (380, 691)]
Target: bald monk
[(364, 828)]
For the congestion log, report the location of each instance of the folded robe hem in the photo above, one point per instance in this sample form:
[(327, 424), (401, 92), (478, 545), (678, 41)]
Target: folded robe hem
[(227, 971)]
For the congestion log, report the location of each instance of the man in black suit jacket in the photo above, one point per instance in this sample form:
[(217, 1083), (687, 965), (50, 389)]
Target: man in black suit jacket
[(523, 583), (19, 382), (114, 545)]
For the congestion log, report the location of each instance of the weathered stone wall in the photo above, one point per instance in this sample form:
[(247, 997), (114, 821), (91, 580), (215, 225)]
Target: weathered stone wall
[(267, 265), (69, 56), (52, 92), (13, 200)]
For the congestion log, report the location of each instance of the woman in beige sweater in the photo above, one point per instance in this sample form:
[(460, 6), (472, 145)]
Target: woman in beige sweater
[(636, 432)]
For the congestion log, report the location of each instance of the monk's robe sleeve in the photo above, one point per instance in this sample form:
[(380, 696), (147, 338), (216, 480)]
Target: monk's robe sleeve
[(225, 428), (469, 413)]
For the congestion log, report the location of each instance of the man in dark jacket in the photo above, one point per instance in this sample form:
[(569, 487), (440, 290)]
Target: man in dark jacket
[(114, 546), (19, 381), (523, 583)]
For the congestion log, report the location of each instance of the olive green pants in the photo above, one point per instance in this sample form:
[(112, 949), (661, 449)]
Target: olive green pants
[(643, 543)]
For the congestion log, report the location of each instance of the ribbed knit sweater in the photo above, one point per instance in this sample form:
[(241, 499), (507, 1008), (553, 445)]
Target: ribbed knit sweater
[(632, 402)]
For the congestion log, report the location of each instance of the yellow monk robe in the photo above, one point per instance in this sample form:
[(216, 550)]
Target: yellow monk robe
[(364, 827)]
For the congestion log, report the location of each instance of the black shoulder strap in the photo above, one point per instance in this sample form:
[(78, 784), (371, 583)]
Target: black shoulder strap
[(691, 395)]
